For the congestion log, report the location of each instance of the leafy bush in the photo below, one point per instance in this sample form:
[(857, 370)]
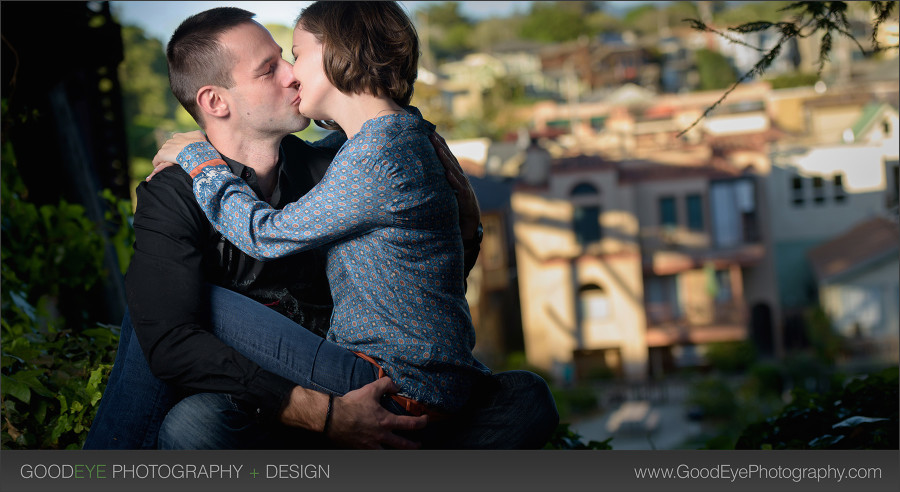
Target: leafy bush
[(731, 356), (713, 397), (861, 415), (565, 438), (52, 377), (573, 401), (55, 360)]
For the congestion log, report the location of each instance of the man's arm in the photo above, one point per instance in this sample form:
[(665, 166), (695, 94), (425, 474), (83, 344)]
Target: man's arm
[(166, 294)]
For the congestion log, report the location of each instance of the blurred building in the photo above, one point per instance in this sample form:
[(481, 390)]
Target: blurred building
[(464, 83), (492, 286), (819, 191), (857, 274), (627, 267), (632, 121)]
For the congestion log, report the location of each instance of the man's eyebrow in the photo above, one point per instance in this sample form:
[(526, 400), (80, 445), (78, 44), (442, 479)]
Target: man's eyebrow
[(267, 61)]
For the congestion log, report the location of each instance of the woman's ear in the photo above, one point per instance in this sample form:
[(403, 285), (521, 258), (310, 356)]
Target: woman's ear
[(212, 103)]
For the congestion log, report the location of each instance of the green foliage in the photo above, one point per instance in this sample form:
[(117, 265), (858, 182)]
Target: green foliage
[(565, 438), (475, 128), (714, 69), (642, 19), (46, 249), (52, 376), (731, 357), (714, 397), (825, 342), (760, 11), (491, 32), (118, 217), (574, 401), (768, 379), (449, 32), (601, 22), (54, 361), (794, 79), (144, 79), (150, 109), (552, 23), (861, 415)]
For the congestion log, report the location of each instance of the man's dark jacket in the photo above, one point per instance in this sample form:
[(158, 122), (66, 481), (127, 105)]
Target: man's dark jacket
[(178, 253)]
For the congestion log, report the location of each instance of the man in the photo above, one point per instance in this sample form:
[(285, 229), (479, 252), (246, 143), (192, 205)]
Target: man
[(228, 73)]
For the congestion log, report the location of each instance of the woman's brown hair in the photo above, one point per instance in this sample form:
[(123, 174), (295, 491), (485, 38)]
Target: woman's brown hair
[(367, 47)]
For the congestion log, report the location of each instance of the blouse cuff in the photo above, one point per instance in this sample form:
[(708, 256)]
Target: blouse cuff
[(197, 156)]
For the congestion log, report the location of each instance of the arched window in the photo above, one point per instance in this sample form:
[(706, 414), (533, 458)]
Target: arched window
[(584, 189), (593, 302)]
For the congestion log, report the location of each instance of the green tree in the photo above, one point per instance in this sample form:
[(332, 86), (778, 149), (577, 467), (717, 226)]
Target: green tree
[(554, 22), (448, 31), (760, 11), (143, 73), (149, 106), (600, 22), (643, 19), (714, 69), (490, 32)]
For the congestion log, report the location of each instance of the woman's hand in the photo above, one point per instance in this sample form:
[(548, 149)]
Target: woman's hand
[(168, 153)]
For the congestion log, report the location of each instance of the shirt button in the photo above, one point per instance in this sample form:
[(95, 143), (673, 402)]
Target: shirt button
[(246, 173)]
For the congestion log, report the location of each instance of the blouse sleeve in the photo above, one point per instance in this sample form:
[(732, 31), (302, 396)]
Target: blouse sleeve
[(347, 202)]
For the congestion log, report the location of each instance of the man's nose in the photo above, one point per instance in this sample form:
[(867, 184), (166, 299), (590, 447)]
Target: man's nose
[(287, 74)]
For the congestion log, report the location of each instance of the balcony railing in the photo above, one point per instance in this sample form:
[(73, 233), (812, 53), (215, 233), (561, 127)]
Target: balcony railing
[(713, 313)]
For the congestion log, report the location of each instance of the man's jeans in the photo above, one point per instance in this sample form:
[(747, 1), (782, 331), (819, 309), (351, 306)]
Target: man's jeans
[(134, 403), (509, 411)]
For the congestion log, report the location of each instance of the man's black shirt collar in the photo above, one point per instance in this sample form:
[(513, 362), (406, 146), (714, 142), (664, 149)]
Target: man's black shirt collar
[(248, 174)]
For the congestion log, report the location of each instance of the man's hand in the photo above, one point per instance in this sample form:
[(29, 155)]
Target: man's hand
[(357, 419), (469, 211)]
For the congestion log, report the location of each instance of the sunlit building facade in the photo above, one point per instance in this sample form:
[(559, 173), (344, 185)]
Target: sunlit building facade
[(629, 268)]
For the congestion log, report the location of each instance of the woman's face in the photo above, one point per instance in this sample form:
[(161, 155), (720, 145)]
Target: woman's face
[(315, 90)]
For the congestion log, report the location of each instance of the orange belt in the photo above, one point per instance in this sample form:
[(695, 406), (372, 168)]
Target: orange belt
[(414, 407)]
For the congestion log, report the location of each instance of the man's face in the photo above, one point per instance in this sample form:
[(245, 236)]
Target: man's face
[(263, 98)]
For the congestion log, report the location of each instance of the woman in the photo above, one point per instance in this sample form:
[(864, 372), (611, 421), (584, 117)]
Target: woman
[(384, 207)]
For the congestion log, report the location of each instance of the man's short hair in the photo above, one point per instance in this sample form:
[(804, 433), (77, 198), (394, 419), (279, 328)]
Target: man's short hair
[(197, 58), (366, 46)]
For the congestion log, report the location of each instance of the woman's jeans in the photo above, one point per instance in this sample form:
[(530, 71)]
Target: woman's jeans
[(507, 411)]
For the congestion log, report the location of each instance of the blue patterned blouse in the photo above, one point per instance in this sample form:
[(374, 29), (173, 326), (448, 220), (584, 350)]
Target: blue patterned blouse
[(395, 260)]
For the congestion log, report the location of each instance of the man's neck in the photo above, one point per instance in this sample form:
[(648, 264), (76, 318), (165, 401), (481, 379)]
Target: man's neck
[(261, 154)]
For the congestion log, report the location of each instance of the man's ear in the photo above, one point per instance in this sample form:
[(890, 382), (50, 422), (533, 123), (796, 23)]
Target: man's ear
[(212, 102)]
